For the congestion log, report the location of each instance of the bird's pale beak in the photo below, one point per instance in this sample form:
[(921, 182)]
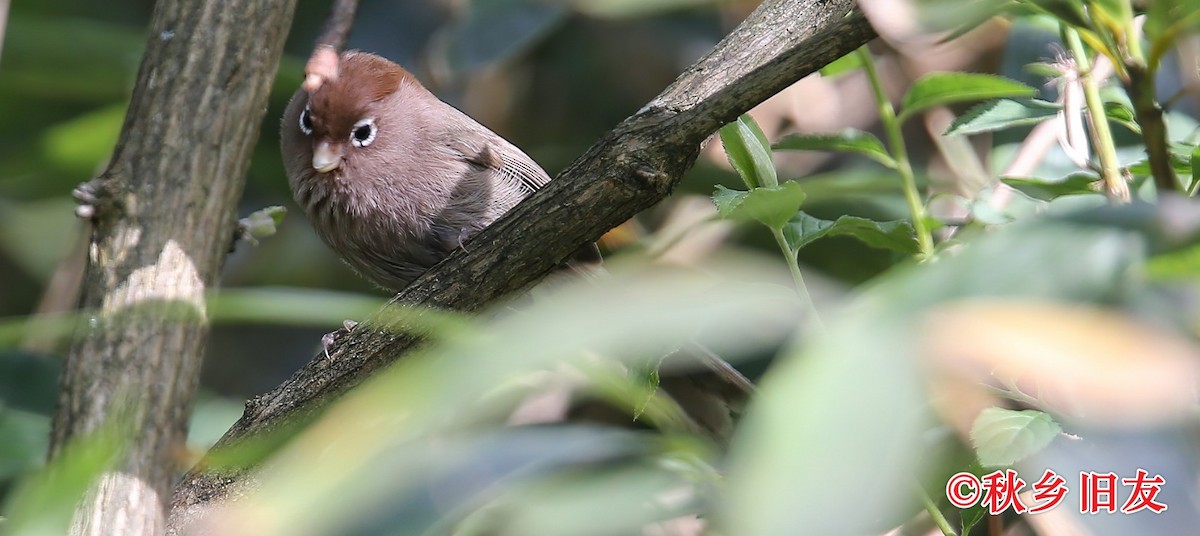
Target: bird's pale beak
[(326, 158)]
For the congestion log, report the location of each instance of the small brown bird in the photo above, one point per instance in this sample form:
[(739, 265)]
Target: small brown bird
[(392, 178)]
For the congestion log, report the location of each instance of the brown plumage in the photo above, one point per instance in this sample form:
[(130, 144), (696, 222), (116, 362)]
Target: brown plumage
[(392, 178)]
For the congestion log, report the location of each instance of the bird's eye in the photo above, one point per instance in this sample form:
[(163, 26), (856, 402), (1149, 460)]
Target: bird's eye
[(306, 125), (363, 133)]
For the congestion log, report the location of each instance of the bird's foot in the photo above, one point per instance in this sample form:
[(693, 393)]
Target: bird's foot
[(329, 339), (87, 197)]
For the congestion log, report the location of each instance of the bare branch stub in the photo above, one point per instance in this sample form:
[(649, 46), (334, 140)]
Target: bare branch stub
[(323, 64), (631, 168)]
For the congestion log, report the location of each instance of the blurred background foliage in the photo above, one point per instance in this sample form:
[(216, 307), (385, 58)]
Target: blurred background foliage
[(1043, 299)]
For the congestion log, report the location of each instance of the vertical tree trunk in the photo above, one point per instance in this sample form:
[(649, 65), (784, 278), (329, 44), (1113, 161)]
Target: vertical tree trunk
[(164, 219)]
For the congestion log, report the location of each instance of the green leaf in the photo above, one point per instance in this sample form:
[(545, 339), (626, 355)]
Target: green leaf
[(1003, 437), (1048, 189), (1182, 265), (44, 502), (1122, 115), (1068, 11), (1001, 114), (849, 140), (26, 440), (748, 152), (1195, 165), (1181, 161), (772, 207), (941, 88), (1165, 19), (847, 63), (1117, 12), (897, 235), (958, 16), (82, 144)]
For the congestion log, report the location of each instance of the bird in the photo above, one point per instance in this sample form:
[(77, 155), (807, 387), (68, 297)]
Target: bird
[(391, 177)]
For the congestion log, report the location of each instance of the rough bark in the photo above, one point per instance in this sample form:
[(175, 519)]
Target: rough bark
[(631, 168), (165, 211)]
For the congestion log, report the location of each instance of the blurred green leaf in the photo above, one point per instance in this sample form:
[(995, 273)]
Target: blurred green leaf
[(82, 145), (1071, 12), (44, 503), (960, 16), (806, 459), (1046, 189), (26, 439), (37, 235), (850, 140), (1166, 21), (982, 210), (749, 153), (1003, 437), (772, 207), (941, 88), (1001, 114), (95, 65), (308, 307), (1117, 13), (847, 63), (802, 229), (211, 418), (28, 382), (1195, 164), (1181, 265), (384, 427), (1181, 160)]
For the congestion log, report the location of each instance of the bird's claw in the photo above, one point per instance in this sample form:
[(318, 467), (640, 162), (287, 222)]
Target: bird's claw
[(328, 340), (86, 197)]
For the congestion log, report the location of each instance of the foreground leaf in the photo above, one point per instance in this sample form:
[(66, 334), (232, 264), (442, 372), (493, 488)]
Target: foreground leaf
[(772, 207), (941, 88), (1003, 437), (1001, 114), (1047, 190), (748, 152), (849, 140), (896, 235)]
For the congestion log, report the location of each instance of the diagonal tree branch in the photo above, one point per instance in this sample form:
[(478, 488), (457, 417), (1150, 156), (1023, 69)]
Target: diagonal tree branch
[(164, 214), (631, 168)]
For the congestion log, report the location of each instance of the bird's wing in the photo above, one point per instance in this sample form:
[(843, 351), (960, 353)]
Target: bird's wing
[(485, 150)]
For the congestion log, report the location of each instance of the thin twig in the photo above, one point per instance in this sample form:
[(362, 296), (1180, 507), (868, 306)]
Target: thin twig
[(887, 115), (934, 512), (323, 64), (1110, 171)]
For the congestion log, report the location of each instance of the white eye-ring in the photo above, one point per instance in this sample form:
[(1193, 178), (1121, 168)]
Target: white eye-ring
[(363, 132), (306, 125)]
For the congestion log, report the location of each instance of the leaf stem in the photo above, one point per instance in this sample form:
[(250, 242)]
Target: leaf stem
[(1114, 184), (797, 277), (938, 518), (887, 115)]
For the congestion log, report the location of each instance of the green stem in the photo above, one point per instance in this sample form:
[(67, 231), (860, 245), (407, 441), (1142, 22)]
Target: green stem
[(794, 266), (912, 195), (1114, 184), (938, 518)]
